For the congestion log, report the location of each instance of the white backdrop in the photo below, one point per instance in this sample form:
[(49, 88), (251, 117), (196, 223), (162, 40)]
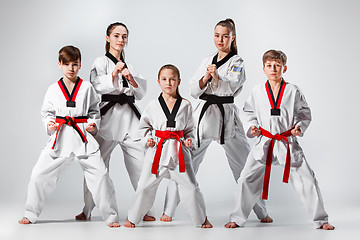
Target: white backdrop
[(320, 38)]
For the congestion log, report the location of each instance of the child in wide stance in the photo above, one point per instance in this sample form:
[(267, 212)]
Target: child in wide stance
[(277, 113), (168, 155), (218, 80), (70, 112), (119, 86)]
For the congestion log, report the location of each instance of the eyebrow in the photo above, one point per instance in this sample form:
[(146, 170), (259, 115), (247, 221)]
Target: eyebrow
[(222, 34), (120, 33)]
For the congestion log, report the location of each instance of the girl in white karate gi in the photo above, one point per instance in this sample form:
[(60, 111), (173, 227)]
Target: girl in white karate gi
[(277, 113), (119, 85), (68, 118), (170, 119), (217, 81)]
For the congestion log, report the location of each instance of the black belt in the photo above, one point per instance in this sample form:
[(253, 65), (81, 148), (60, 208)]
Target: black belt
[(219, 101), (120, 99)]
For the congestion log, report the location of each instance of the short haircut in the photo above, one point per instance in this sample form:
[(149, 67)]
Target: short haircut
[(69, 54), (276, 55)]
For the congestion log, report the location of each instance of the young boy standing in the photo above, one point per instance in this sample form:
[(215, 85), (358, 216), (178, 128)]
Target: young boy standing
[(277, 113), (71, 115)]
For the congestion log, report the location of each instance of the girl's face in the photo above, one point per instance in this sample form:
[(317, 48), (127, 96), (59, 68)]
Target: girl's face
[(223, 38), (168, 81), (118, 38)]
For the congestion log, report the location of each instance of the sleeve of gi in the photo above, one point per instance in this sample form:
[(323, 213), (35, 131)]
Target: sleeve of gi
[(48, 110), (190, 124), (145, 126), (234, 77), (302, 113), (101, 79), (251, 118), (196, 91), (140, 91), (94, 110)]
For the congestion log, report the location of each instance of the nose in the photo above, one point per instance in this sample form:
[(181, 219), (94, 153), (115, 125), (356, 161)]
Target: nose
[(273, 68), (71, 67)]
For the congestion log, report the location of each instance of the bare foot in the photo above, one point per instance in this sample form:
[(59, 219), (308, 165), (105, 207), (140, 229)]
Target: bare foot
[(129, 224), (231, 225), (148, 218), (24, 220), (267, 219), (327, 226), (165, 218), (114, 225), (82, 217), (206, 224)]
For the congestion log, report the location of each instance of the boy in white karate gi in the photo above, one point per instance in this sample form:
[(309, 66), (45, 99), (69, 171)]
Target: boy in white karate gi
[(277, 113), (70, 112)]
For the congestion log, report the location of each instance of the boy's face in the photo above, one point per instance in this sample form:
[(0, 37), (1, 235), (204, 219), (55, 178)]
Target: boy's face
[(70, 70), (274, 70)]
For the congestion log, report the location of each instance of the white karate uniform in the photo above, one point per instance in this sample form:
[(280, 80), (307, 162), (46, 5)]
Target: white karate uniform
[(119, 125), (231, 80), (153, 119), (293, 111), (69, 146)]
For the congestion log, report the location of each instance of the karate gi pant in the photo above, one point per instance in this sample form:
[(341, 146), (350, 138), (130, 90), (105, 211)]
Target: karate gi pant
[(237, 150), (133, 159), (250, 186), (46, 173), (189, 192)]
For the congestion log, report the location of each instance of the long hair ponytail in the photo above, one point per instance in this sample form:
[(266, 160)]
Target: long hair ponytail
[(109, 30), (230, 24)]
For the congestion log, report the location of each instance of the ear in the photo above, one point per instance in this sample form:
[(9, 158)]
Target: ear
[(107, 38), (158, 81), (59, 64), (233, 37), (79, 66), (179, 82), (285, 68)]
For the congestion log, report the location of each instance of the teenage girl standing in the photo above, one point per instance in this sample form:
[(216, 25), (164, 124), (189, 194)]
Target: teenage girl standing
[(217, 81), (119, 85)]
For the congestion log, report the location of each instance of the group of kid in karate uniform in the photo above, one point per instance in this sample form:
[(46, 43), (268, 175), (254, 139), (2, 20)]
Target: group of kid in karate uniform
[(165, 141)]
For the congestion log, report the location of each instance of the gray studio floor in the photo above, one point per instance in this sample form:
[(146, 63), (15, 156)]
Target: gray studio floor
[(290, 221)]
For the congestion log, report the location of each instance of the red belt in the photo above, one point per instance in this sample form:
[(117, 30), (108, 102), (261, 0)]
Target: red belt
[(71, 121), (278, 137), (165, 135)]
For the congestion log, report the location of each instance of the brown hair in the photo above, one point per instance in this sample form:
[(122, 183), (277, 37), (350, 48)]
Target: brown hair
[(69, 54), (109, 30), (276, 55), (174, 69), (229, 24)]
